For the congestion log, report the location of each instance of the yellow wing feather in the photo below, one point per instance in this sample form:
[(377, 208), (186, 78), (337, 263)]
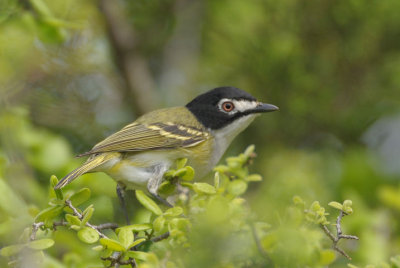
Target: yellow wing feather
[(154, 131)]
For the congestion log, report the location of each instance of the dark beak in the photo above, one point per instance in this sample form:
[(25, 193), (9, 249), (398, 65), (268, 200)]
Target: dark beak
[(265, 108)]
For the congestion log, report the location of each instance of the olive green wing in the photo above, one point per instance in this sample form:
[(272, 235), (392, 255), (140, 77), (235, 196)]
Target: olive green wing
[(140, 137)]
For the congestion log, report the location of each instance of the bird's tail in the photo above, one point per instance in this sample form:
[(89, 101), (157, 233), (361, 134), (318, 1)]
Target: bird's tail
[(89, 165)]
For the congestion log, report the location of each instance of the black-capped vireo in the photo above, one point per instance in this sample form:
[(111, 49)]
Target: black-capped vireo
[(138, 155)]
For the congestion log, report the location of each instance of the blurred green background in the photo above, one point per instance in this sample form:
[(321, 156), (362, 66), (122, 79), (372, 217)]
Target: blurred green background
[(73, 72)]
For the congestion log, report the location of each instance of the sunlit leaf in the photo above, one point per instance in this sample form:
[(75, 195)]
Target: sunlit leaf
[(11, 250), (49, 213), (173, 212), (112, 244), (237, 187), (205, 188), (80, 197), (41, 244), (88, 235), (125, 236), (147, 202)]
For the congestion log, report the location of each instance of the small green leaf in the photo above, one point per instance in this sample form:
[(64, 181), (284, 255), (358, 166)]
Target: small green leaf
[(180, 163), (87, 214), (189, 174), (136, 242), (88, 235), (204, 188), (347, 207), (297, 200), (166, 188), (249, 150), (179, 173), (253, 177), (158, 223), (140, 255), (326, 257), (216, 180), (315, 206), (58, 192), (41, 244), (49, 213), (72, 220), (98, 248), (147, 202), (139, 227), (173, 212), (336, 205), (221, 169), (112, 244), (75, 227), (125, 236), (80, 197), (11, 250), (237, 187)]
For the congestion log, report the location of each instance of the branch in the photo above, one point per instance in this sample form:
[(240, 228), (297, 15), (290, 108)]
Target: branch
[(134, 67), (259, 246), (80, 216), (339, 234), (160, 237), (35, 228)]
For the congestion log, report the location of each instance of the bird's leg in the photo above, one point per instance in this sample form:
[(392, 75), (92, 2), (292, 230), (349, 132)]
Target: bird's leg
[(121, 197)]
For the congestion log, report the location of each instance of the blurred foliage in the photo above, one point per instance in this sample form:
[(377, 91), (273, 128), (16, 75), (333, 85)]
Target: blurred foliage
[(331, 66)]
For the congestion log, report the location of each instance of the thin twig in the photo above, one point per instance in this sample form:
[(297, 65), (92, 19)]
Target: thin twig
[(160, 237), (80, 216), (110, 225), (35, 228), (258, 243), (339, 234)]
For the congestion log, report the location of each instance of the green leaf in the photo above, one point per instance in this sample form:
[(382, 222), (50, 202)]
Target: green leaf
[(147, 202), (180, 163), (216, 180), (237, 187), (173, 212), (136, 242), (189, 175), (53, 183), (166, 188), (11, 250), (158, 223), (336, 205), (347, 207), (140, 255), (87, 214), (315, 206), (125, 236), (139, 227), (49, 213), (112, 244), (249, 150), (98, 248), (326, 257), (253, 177), (72, 220), (41, 244), (80, 197), (88, 235), (179, 173), (204, 188)]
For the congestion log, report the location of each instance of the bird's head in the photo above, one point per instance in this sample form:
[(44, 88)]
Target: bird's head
[(227, 106)]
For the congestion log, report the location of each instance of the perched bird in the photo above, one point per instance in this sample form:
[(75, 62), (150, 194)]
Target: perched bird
[(139, 154)]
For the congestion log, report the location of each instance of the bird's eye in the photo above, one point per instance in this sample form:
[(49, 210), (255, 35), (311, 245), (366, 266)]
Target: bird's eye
[(228, 106)]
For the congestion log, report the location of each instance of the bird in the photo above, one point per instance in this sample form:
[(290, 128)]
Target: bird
[(138, 155)]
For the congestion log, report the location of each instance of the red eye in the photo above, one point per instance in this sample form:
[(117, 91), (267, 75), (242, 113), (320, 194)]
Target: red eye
[(228, 106)]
